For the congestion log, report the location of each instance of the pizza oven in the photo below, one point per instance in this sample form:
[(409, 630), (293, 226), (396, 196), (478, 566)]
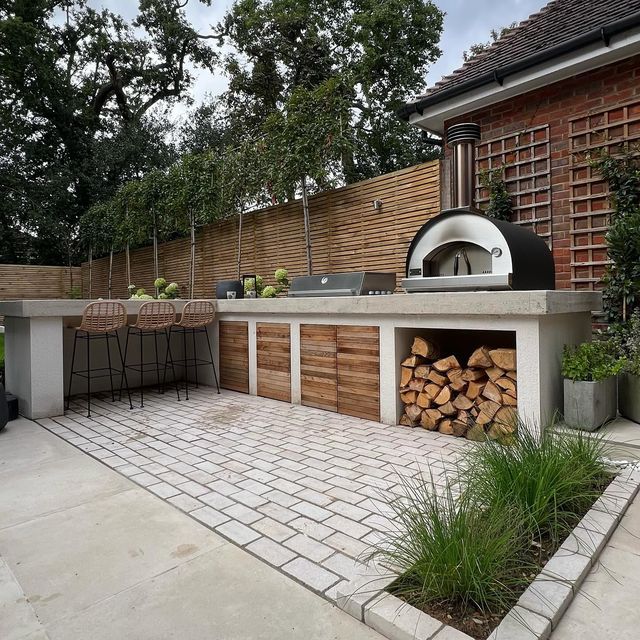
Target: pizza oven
[(463, 249)]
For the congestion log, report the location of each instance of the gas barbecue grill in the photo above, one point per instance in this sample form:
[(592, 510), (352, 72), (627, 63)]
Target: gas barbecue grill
[(463, 249), (356, 283)]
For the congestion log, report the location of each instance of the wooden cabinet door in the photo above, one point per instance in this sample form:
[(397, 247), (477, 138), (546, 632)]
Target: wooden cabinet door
[(318, 373), (273, 344), (358, 360), (233, 338)]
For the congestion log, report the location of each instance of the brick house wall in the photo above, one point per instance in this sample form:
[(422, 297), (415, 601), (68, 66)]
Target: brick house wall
[(542, 137)]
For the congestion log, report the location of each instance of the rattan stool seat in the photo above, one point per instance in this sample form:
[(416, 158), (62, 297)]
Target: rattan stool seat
[(197, 314), (154, 316), (103, 316)]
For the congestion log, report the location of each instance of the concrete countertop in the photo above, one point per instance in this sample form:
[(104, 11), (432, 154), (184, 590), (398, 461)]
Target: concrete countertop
[(492, 303)]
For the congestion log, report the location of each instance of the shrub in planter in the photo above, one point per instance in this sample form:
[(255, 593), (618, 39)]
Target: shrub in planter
[(629, 378), (590, 386)]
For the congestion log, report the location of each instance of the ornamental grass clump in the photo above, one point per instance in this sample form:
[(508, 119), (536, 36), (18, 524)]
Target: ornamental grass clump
[(446, 549), (550, 480)]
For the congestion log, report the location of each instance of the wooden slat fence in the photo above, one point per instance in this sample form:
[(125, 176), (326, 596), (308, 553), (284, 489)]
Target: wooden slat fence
[(347, 234), (20, 282)]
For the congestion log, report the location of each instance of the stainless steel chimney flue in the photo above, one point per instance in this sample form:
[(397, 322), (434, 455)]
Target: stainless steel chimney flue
[(462, 138)]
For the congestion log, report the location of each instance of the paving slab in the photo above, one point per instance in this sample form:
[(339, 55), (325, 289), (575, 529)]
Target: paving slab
[(239, 464), (86, 553)]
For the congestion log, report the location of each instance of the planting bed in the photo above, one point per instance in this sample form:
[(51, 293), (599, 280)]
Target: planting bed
[(380, 599)]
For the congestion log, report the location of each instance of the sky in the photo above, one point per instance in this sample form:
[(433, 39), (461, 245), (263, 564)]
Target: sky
[(466, 22)]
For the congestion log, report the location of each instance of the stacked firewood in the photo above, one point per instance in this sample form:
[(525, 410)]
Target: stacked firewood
[(476, 400)]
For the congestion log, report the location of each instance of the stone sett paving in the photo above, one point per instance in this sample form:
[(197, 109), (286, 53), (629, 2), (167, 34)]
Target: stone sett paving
[(300, 488)]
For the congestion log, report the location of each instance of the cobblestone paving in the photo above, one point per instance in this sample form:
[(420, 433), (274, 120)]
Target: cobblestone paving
[(300, 488)]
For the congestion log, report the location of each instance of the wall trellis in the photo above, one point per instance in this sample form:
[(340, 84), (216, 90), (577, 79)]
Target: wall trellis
[(526, 158), (612, 129)]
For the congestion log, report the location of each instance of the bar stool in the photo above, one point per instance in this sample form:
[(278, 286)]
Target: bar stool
[(196, 316), (100, 320), (153, 318)]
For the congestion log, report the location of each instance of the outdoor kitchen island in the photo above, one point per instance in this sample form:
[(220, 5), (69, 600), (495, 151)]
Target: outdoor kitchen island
[(361, 340), (327, 351)]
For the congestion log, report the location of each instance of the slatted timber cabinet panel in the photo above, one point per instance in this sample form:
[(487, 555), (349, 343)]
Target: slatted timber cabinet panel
[(358, 358), (318, 366), (233, 339), (273, 344)]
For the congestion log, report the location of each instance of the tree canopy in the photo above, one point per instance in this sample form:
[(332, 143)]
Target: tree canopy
[(77, 87), (375, 52), (85, 97)]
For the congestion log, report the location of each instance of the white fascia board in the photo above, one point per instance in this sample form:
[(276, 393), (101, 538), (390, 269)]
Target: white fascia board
[(586, 59)]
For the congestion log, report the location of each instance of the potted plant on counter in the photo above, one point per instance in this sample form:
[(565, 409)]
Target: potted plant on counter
[(629, 377), (590, 386)]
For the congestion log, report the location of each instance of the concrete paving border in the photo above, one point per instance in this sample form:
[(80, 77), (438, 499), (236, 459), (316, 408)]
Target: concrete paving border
[(541, 606)]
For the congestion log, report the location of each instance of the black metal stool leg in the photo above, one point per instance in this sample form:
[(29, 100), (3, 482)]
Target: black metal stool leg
[(124, 365), (141, 371), (88, 375), (213, 364), (106, 338), (73, 359), (170, 357), (155, 341), (186, 364), (195, 362), (124, 369)]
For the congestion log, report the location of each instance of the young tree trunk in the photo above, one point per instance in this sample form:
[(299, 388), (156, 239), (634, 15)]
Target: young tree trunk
[(90, 266), (128, 264), (156, 275), (307, 225), (239, 243), (192, 264), (110, 269)]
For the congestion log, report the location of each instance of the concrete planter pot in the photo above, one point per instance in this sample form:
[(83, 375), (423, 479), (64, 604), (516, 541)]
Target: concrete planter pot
[(4, 409), (629, 396), (589, 405)]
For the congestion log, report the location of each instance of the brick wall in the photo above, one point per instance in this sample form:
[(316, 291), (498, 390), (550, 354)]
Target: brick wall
[(571, 117)]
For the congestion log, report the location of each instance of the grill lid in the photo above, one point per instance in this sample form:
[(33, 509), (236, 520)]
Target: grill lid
[(463, 249), (357, 283)]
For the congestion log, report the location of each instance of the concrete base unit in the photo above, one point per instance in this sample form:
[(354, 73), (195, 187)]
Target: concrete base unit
[(537, 323)]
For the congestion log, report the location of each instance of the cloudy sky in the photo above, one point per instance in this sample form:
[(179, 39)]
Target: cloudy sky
[(466, 22)]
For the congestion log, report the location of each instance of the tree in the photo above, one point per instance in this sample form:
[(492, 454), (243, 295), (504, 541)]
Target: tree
[(306, 141), (376, 51), (192, 198), (82, 94), (479, 47)]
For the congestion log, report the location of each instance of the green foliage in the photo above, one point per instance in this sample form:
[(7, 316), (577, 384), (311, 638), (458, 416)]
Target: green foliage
[(267, 290), (627, 338), (448, 549), (475, 545), (166, 291), (549, 480), (480, 47), (99, 228), (622, 279), (591, 361), (376, 51), (192, 193), (83, 94), (307, 140), (499, 206), (75, 293)]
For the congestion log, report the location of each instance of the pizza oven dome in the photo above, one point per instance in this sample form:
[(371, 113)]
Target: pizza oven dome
[(462, 249)]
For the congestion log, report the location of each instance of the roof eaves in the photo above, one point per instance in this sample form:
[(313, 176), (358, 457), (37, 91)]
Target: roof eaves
[(498, 74)]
